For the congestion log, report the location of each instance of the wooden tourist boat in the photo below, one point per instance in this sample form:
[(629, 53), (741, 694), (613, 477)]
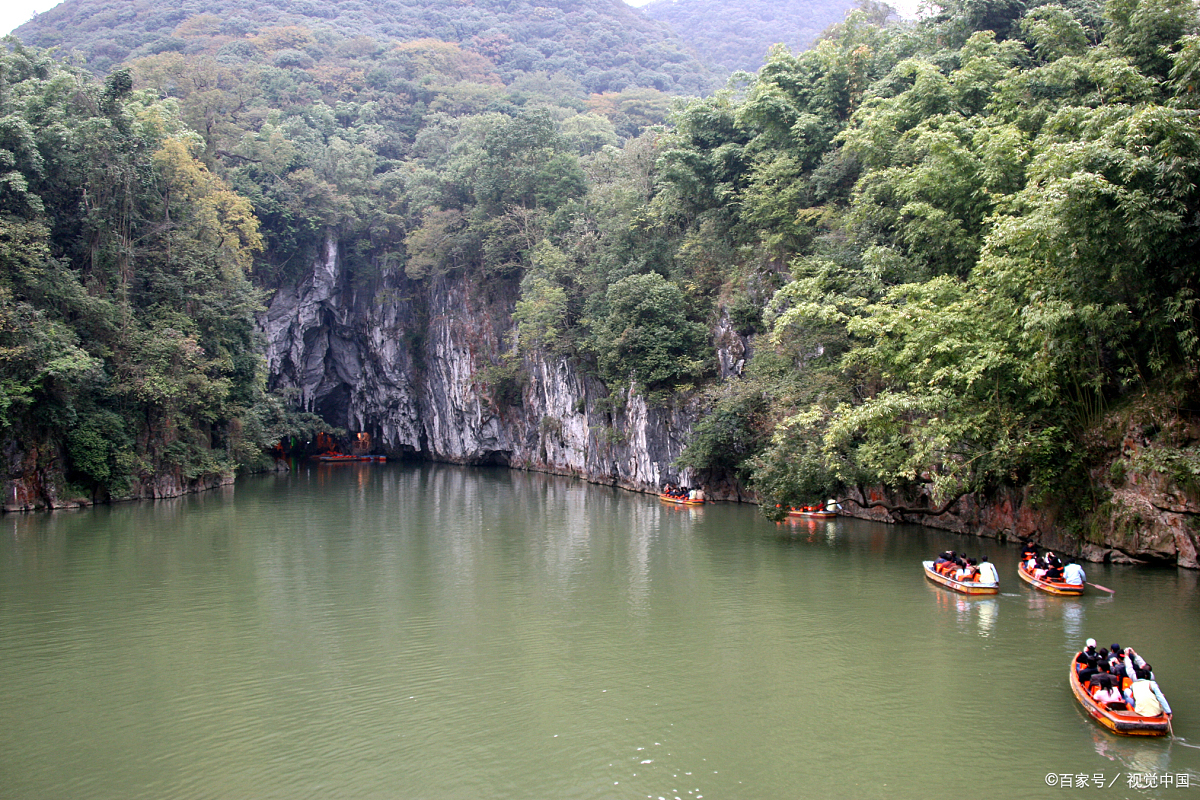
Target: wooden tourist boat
[(1119, 721), (966, 587), (342, 458), (680, 501), (813, 512), (1052, 587)]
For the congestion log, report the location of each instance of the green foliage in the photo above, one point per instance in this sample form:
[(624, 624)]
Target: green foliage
[(601, 48), (643, 335), (504, 382), (729, 435), (100, 449), (126, 314)]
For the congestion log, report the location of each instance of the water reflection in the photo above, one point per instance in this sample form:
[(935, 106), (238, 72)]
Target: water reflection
[(1139, 755), (1073, 619), (443, 632), (971, 612)]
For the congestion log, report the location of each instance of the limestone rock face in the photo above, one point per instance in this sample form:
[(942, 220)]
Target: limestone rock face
[(427, 368)]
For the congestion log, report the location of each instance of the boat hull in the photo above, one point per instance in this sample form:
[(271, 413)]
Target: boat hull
[(680, 501), (1122, 722), (963, 587), (813, 514), (1060, 588)]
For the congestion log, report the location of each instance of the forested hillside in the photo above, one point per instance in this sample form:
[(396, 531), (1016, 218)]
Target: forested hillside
[(127, 332), (603, 45), (733, 35), (961, 251)]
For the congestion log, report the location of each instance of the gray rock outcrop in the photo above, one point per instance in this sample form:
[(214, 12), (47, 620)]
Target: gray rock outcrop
[(421, 367)]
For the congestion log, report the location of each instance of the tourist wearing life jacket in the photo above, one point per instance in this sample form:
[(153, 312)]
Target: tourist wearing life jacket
[(1146, 699), (987, 571), (1086, 657), (1101, 676), (1054, 568), (965, 571), (1109, 696)]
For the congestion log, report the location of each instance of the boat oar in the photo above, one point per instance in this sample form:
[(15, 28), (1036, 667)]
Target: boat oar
[(1098, 586)]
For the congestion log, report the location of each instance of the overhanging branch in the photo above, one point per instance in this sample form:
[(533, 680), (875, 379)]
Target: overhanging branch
[(897, 509)]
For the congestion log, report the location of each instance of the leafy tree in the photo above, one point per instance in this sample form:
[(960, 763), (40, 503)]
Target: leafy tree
[(644, 335)]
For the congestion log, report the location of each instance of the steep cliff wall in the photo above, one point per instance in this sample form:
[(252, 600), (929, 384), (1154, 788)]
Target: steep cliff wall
[(415, 365)]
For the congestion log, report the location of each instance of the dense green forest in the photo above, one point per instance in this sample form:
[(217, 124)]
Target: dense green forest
[(126, 311), (601, 45), (737, 35), (961, 245)]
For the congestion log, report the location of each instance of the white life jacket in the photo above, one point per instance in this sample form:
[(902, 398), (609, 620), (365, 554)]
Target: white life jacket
[(1145, 704)]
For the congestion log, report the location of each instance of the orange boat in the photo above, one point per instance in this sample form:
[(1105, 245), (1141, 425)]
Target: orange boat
[(680, 501), (1119, 721), (814, 512), (342, 458), (966, 587), (1052, 587)]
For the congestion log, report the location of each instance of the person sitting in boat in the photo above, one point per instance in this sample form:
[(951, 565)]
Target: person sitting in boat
[(1131, 655), (951, 567), (1030, 550), (1109, 696), (1102, 676), (963, 572), (1074, 574), (987, 571), (1135, 667), (1086, 672), (1087, 656), (1116, 655), (1054, 572), (1146, 699)]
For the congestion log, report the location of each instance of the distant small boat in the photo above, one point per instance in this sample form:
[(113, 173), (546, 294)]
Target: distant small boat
[(680, 501), (815, 512), (342, 458), (1122, 721), (966, 587), (1052, 587)]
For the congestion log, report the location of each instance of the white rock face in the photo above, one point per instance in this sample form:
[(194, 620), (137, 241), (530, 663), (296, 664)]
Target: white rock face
[(409, 363)]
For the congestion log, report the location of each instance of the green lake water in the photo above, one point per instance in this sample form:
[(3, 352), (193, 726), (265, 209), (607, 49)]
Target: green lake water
[(397, 631)]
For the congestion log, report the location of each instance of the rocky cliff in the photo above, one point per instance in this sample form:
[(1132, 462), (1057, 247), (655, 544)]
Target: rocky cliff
[(426, 368)]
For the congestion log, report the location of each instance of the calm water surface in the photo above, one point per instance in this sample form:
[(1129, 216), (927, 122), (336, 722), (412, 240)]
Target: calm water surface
[(367, 631)]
